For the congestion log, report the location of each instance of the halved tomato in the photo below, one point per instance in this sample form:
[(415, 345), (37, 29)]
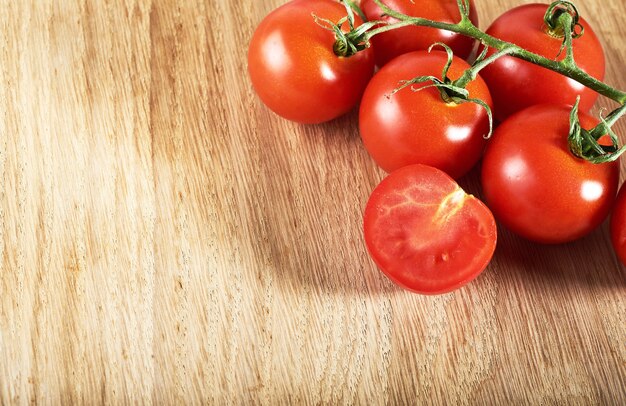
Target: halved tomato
[(425, 233)]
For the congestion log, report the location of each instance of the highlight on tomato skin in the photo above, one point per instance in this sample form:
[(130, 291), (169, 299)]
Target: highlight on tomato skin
[(536, 187), (425, 233), (618, 225), (293, 67)]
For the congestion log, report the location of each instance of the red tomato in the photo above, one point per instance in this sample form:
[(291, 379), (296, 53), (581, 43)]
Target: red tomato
[(536, 187), (394, 43), (294, 69), (618, 225), (425, 233), (517, 84), (419, 127)]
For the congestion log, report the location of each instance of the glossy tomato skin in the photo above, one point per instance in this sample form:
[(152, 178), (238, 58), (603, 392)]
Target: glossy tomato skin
[(536, 187), (294, 69), (517, 84), (425, 233), (419, 127), (618, 225), (396, 42)]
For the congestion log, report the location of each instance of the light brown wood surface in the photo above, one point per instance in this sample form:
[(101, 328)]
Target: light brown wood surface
[(165, 238)]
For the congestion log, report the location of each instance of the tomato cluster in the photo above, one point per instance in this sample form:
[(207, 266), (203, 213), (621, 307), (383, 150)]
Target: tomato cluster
[(422, 230)]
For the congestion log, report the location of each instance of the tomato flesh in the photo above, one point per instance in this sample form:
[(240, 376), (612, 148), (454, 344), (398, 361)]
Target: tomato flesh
[(536, 187), (294, 69), (516, 84), (393, 43), (425, 233)]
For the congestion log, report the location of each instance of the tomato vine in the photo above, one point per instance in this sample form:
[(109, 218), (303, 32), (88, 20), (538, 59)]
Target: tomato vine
[(562, 21)]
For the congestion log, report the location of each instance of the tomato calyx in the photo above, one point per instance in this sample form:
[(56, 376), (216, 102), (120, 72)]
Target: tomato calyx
[(356, 38), (451, 91), (584, 143), (554, 21), (562, 21)]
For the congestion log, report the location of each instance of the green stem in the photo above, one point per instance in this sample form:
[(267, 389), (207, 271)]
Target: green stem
[(357, 10), (615, 115), (566, 23), (384, 28), (611, 119), (471, 73)]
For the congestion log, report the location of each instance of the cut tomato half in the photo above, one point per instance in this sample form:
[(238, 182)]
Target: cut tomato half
[(425, 233)]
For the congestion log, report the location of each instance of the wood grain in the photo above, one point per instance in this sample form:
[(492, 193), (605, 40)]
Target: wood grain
[(164, 238)]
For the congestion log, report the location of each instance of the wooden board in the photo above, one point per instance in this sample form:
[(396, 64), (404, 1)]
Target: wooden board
[(165, 238)]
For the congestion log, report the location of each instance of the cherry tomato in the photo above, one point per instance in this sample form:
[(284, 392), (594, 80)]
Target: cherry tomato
[(536, 187), (396, 42), (425, 233), (618, 225), (411, 127), (517, 84), (294, 69)]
